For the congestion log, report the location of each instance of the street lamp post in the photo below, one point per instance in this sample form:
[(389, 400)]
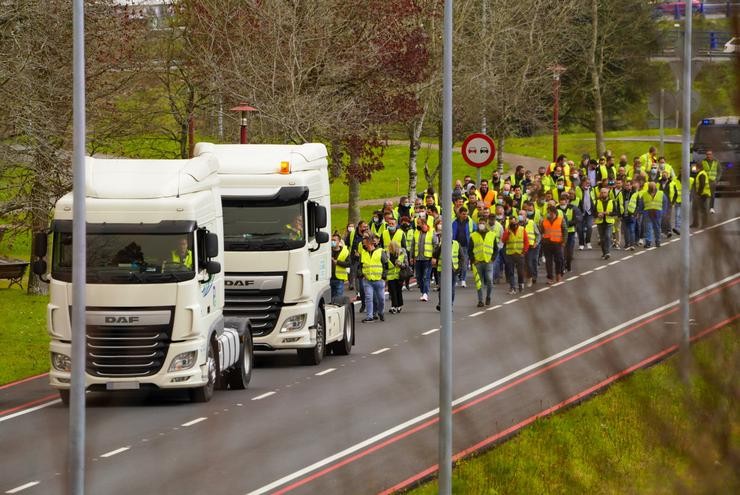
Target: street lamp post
[(244, 109), (556, 71)]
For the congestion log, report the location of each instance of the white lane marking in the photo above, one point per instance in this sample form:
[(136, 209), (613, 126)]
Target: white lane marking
[(587, 273), (526, 296), (380, 351), (557, 283), (194, 422), (614, 262), (600, 267), (512, 301), (542, 289), (115, 452), (628, 257), (650, 248), (429, 332), (325, 372), (422, 417), (494, 307), (699, 231), (572, 278), (638, 253), (264, 396), (23, 487), (476, 314)]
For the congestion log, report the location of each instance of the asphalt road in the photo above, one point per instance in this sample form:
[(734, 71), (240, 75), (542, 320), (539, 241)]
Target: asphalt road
[(366, 423)]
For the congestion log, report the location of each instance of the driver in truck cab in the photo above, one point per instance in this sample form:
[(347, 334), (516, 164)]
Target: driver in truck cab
[(295, 230), (182, 254)]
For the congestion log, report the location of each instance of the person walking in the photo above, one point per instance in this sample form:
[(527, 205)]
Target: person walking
[(462, 227), (339, 265), (422, 249), (531, 258), (554, 232), (701, 194), (714, 172), (674, 197), (588, 209), (604, 221), (482, 249), (628, 216), (653, 213), (355, 240), (516, 242), (447, 276), (397, 261), (374, 264), (571, 214)]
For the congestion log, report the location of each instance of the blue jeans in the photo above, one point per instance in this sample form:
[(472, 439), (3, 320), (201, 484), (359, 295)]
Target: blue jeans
[(443, 280), (570, 246), (423, 273), (485, 273), (628, 226), (677, 223), (652, 227), (584, 236), (464, 262), (374, 297), (532, 261), (337, 288), (498, 264)]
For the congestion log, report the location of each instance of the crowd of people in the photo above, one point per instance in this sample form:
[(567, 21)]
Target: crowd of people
[(505, 228)]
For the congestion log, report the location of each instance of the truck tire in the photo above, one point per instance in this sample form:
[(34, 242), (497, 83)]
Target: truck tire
[(64, 396), (344, 346), (313, 356), (240, 374), (205, 393)]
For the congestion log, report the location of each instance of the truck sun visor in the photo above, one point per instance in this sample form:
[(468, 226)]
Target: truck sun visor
[(284, 196), (163, 227)]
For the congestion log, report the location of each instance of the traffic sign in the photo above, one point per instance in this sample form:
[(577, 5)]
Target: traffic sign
[(478, 150)]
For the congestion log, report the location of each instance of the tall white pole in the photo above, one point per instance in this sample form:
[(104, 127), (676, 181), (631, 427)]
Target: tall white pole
[(686, 194), (445, 336), (76, 447)]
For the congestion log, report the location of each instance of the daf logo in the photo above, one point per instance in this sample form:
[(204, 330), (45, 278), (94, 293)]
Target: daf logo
[(126, 320), (239, 283)]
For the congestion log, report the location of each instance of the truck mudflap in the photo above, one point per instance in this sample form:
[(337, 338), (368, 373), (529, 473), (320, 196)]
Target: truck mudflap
[(228, 348)]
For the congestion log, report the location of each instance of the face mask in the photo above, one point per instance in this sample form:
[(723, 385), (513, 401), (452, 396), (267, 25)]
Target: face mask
[(561, 187), (575, 176), (522, 218), (333, 244), (392, 228), (530, 214), (562, 207), (422, 215), (406, 205), (481, 226), (506, 193), (499, 217), (405, 226), (376, 219), (350, 229)]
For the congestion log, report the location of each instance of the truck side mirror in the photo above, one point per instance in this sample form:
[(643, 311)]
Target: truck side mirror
[(322, 237), (39, 267), (320, 217), (211, 246), (40, 245), (213, 267)]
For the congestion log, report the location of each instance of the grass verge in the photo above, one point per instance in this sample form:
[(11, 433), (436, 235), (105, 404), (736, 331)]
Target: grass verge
[(25, 349), (645, 434)]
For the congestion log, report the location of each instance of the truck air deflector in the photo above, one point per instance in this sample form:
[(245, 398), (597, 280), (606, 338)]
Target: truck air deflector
[(284, 196), (163, 227)]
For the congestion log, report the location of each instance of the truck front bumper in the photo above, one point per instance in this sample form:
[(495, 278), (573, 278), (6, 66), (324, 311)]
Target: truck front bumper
[(303, 338)]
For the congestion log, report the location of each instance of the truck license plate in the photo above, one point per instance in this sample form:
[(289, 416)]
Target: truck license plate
[(122, 386)]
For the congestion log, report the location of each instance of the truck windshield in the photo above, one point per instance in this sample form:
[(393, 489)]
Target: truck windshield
[(128, 258), (718, 138), (255, 226)]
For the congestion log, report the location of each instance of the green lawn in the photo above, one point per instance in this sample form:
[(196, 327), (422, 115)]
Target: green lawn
[(25, 348), (643, 435)]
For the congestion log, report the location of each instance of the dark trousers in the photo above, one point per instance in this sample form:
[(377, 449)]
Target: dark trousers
[(699, 212), (515, 265), (585, 234), (532, 261), (570, 246), (394, 290), (628, 228), (605, 237), (553, 255)]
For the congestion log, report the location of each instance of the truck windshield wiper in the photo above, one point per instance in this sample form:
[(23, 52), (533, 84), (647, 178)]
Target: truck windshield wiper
[(274, 244)]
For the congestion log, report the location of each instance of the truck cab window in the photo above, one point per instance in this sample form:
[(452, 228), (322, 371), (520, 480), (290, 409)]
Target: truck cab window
[(251, 225)]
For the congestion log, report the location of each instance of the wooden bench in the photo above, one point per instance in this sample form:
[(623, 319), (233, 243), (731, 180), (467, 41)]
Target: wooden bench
[(13, 270)]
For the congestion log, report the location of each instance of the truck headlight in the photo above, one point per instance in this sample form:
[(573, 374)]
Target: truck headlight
[(293, 323), (61, 362), (183, 361)]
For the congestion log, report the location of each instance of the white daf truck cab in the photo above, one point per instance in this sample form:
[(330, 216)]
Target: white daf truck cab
[(278, 263), (155, 283)]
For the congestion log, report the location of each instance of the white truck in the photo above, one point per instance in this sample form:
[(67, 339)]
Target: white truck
[(155, 284), (276, 207)]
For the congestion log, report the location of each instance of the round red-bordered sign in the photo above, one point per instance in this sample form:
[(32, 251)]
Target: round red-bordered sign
[(478, 150)]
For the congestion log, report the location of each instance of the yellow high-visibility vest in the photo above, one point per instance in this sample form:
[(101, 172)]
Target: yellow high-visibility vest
[(372, 266), (483, 246), (339, 272), (515, 241)]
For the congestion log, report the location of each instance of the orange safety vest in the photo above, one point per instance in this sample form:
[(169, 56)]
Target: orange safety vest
[(553, 230)]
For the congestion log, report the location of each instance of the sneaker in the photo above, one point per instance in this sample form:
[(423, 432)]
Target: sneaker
[(669, 235), (588, 245), (424, 297), (529, 283), (463, 284), (392, 311), (580, 248), (542, 259), (559, 278), (375, 317), (632, 248), (480, 304), (607, 256), (711, 210), (437, 307), (366, 320), (676, 231), (521, 289), (647, 245), (488, 301), (641, 242), (382, 318), (362, 308), (512, 291), (398, 309)]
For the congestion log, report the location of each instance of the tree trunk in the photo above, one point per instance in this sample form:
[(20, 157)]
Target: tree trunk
[(354, 193), (39, 223), (596, 81), (500, 154), (414, 147)]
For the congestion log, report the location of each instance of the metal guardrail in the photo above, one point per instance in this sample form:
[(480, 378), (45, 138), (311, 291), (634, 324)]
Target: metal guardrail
[(676, 9), (704, 44)]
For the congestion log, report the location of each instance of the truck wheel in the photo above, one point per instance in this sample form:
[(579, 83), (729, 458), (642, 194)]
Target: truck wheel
[(344, 346), (312, 357), (239, 376), (204, 393), (64, 396)]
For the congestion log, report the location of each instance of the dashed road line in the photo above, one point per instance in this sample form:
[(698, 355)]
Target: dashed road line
[(557, 283), (542, 289), (194, 422), (600, 267), (23, 487), (115, 452), (325, 372), (614, 262), (638, 253), (429, 332), (476, 314), (630, 256), (264, 396), (650, 248), (380, 351), (511, 301), (569, 279), (589, 272), (526, 296), (494, 307)]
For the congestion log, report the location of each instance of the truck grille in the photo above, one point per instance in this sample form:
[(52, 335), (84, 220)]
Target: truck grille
[(127, 351), (262, 309)]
